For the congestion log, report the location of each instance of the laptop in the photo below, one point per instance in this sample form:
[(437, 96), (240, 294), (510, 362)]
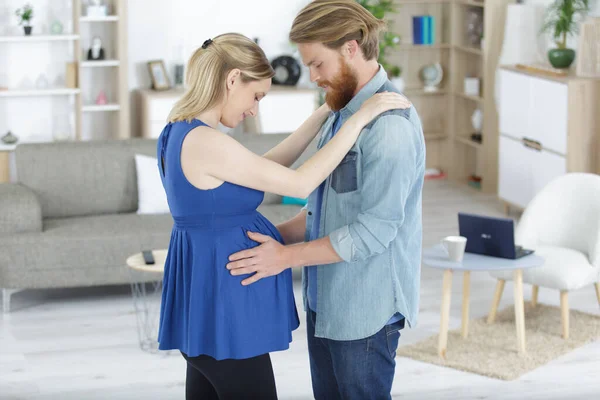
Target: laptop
[(490, 236)]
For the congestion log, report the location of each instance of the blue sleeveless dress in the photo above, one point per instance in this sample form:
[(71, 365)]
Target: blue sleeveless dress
[(205, 309)]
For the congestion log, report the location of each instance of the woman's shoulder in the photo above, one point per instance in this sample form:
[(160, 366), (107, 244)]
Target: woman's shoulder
[(207, 138), (186, 127)]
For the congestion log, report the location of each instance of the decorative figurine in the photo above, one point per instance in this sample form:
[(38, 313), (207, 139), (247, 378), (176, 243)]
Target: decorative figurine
[(56, 27), (477, 122), (101, 99), (96, 52), (97, 8)]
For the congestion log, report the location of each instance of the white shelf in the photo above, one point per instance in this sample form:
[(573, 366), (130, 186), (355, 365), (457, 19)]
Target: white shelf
[(472, 3), (12, 147), (471, 50), (477, 99), (100, 63), (434, 46), (8, 147), (109, 18), (101, 107), (37, 38), (38, 92), (466, 141)]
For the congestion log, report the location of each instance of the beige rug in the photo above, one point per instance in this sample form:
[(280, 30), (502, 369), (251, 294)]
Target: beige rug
[(491, 350)]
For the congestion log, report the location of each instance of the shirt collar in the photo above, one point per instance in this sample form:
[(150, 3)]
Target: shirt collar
[(366, 92)]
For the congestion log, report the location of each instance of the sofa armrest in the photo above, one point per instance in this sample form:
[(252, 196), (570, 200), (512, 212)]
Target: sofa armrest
[(20, 209)]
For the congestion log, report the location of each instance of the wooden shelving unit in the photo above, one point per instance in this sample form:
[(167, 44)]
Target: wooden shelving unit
[(86, 120), (446, 114), (99, 119)]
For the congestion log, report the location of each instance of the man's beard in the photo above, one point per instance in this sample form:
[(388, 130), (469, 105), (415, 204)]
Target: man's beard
[(342, 88)]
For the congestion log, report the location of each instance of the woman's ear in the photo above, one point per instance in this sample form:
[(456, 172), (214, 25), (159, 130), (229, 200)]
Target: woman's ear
[(232, 77)]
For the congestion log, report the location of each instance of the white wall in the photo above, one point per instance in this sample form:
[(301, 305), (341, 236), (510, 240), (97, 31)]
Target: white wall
[(156, 31), (159, 32)]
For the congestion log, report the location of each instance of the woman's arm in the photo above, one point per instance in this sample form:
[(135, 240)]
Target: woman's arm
[(291, 148), (211, 153), (224, 158)]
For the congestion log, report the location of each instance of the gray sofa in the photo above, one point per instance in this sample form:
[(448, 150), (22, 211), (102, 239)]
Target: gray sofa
[(71, 221)]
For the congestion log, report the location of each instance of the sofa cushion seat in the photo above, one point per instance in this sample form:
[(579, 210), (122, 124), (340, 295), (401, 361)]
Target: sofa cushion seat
[(86, 242)]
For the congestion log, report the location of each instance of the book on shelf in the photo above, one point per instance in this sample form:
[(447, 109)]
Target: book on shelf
[(423, 29)]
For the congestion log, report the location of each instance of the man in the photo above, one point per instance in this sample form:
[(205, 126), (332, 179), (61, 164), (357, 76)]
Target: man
[(359, 237)]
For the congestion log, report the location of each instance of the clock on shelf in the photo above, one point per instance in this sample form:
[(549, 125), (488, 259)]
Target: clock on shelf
[(287, 71)]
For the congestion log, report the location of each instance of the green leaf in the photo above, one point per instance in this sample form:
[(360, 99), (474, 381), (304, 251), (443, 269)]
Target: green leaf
[(561, 19), (389, 39)]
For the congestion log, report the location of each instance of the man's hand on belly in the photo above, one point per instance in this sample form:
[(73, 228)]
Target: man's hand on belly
[(268, 259), (271, 257)]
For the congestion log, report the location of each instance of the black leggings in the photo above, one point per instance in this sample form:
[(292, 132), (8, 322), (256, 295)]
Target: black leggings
[(208, 379)]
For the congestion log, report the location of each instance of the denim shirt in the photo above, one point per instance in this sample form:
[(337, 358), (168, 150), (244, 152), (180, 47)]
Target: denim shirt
[(371, 211)]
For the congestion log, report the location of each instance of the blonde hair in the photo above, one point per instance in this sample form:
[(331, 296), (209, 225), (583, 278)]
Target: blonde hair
[(208, 68), (335, 22)]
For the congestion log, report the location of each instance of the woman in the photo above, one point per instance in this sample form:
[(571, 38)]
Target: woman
[(226, 330)]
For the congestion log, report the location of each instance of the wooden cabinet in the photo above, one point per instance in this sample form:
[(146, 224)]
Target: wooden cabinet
[(284, 109), (548, 126), (524, 170), (154, 108)]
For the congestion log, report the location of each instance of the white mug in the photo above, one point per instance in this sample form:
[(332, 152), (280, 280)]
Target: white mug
[(455, 247)]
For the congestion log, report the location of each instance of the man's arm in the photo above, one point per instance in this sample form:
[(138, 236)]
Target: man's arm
[(390, 157), (315, 252), (390, 160), (293, 229)]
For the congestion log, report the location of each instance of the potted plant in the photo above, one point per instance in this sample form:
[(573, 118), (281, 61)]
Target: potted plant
[(25, 15), (561, 21), (397, 80), (389, 40)]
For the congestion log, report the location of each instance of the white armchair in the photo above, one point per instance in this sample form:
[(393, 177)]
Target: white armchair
[(562, 224)]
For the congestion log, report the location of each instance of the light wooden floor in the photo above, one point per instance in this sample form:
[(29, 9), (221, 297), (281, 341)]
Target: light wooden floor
[(81, 344)]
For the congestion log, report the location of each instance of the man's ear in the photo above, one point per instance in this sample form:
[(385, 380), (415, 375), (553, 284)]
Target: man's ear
[(232, 77), (350, 49)]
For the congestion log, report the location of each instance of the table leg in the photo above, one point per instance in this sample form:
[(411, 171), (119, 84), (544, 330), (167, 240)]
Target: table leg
[(465, 303), (445, 313), (146, 307), (519, 311), (496, 301), (534, 295)]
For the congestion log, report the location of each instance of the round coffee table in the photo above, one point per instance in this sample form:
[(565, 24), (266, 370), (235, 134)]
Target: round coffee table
[(146, 290), (436, 257)]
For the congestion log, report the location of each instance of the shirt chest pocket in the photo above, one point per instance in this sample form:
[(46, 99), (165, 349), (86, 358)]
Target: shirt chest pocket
[(344, 178)]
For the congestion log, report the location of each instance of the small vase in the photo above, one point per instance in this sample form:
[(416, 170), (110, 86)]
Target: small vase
[(398, 82), (27, 30), (61, 128), (9, 138), (561, 58)]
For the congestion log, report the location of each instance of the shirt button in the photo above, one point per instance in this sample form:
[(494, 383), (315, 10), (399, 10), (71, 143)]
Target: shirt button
[(310, 213)]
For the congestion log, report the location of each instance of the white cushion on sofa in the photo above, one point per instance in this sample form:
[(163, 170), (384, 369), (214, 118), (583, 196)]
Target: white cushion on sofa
[(152, 198)]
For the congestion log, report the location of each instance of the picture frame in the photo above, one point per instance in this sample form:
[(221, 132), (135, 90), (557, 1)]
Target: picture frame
[(158, 75)]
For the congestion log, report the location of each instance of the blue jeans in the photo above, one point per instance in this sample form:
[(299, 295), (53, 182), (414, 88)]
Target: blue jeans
[(354, 369)]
